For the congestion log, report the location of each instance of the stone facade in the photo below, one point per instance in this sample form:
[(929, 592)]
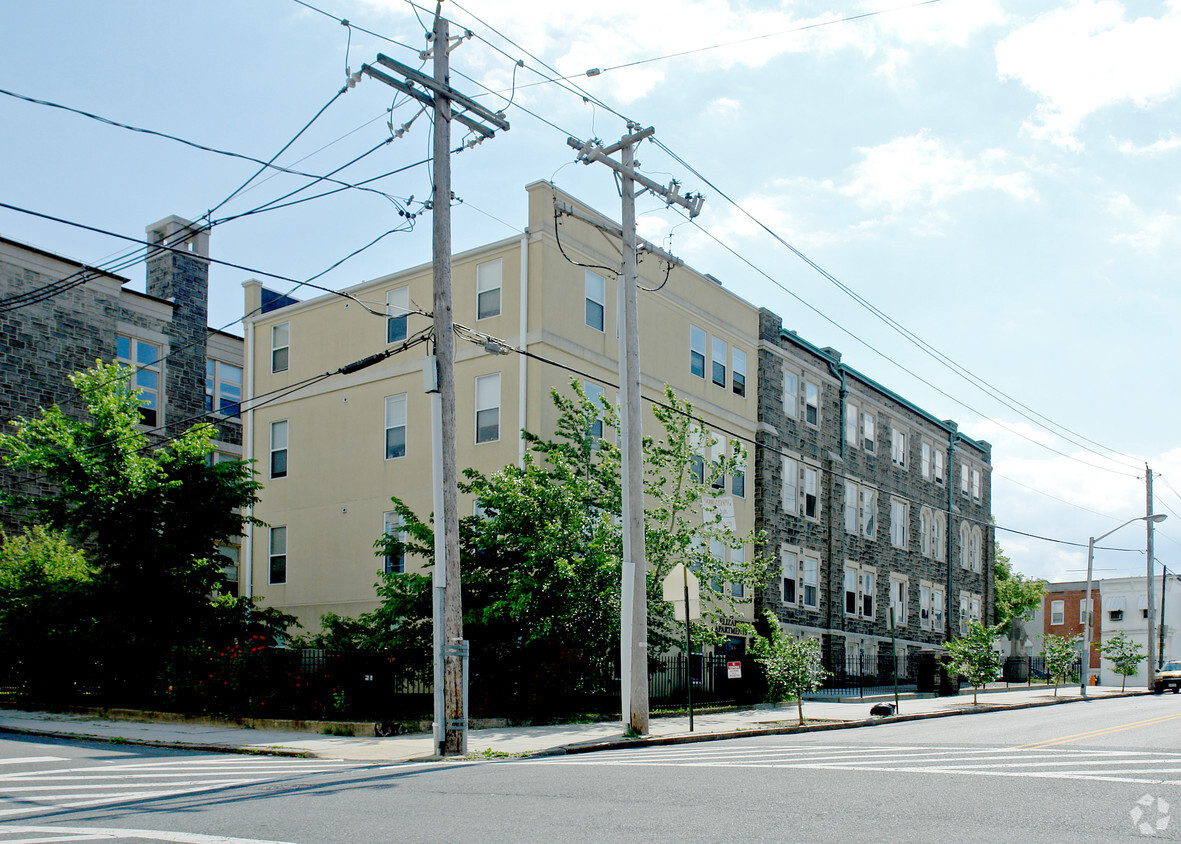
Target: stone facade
[(859, 492), (47, 341)]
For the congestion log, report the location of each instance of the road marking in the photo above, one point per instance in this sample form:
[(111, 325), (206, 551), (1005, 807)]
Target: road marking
[(31, 760), (1096, 733), (78, 833)]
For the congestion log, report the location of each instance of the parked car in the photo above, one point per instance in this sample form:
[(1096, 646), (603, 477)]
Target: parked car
[(1169, 677)]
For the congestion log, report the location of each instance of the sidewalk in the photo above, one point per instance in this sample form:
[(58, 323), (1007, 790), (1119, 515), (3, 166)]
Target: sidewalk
[(550, 740)]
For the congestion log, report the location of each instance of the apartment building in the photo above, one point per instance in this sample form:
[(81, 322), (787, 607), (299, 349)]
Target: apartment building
[(61, 316), (874, 508), (332, 452)]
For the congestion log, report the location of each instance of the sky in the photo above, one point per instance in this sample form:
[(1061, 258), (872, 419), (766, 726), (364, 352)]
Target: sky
[(986, 191)]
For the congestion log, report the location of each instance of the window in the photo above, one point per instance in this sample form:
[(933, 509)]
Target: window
[(851, 499), (859, 509), (926, 461), (395, 426), (278, 555), (595, 394), (738, 481), (851, 428), (696, 351), (811, 493), (717, 456), (1082, 611), (145, 359), (938, 605), (899, 522), (899, 598), (811, 403), (737, 560), (850, 590), (596, 298), (867, 432), (963, 479), (976, 549), (488, 408), (789, 561), (229, 569), (898, 447), (718, 361), (867, 591), (924, 605), (791, 392), (697, 460), (974, 608), (223, 388), (869, 509), (975, 484), (738, 374), (397, 311), (791, 504), (279, 449), (938, 467), (859, 591), (392, 524), (280, 346), (1057, 612), (488, 289), (939, 538), (963, 613), (811, 582), (926, 524), (965, 560), (1116, 615)]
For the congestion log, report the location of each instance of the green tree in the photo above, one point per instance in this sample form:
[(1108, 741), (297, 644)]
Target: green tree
[(792, 667), (1016, 596), (1124, 654), (149, 519), (975, 657), (1060, 652)]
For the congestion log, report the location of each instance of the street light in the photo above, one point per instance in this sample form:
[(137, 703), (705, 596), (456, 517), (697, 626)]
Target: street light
[(1086, 672)]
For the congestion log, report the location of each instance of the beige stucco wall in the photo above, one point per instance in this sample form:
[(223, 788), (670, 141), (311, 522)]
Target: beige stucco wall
[(339, 483)]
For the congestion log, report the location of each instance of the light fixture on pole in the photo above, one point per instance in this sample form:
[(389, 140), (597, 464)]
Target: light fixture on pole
[(1086, 652)]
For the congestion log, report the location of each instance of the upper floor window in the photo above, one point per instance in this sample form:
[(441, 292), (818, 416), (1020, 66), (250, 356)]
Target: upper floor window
[(488, 408), (975, 484), (851, 426), (899, 598), (488, 289), (696, 351), (898, 447), (395, 426), (280, 346), (596, 300), (860, 586), (811, 492), (965, 543), (791, 391), (789, 562), (925, 605), (926, 530), (397, 307), (925, 458), (860, 508), (791, 481), (718, 362), (594, 394), (939, 536), (811, 590), (279, 449), (963, 479), (867, 431), (1057, 612), (976, 549), (738, 480), (899, 522), (278, 554), (739, 372), (938, 467), (392, 524), (145, 359), (811, 403), (223, 387)]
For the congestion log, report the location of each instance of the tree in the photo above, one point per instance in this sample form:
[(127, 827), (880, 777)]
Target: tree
[(974, 656), (1060, 653), (149, 520), (792, 666), (1124, 654), (1015, 597)]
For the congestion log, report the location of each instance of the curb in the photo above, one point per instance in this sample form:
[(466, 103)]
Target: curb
[(691, 738), (168, 745)]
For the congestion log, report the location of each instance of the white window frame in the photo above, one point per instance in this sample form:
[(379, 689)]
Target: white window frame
[(898, 447), (738, 371), (717, 362), (811, 403), (698, 341), (594, 392), (791, 480), (899, 599), (595, 289), (789, 567), (925, 459), (938, 466), (392, 524), (216, 384), (277, 552), (281, 347), (280, 434), (1057, 613), (869, 512), (938, 607), (976, 549), (484, 387), (489, 282), (925, 592), (975, 484), (964, 479), (939, 536), (791, 395), (865, 583), (852, 498), (145, 359), (810, 477), (868, 432), (810, 581), (964, 618), (395, 419), (738, 479), (899, 523), (397, 314), (926, 531), (852, 426)]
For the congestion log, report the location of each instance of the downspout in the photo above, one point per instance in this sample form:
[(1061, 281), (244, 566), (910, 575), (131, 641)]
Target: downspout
[(523, 289), (836, 560), (248, 454), (950, 474)]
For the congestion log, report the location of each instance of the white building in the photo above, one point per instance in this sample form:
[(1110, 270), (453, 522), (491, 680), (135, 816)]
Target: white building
[(1125, 609)]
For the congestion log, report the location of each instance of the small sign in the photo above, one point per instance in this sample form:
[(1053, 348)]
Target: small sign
[(720, 509), (734, 670)]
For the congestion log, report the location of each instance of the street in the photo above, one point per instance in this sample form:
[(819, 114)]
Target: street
[(1099, 771)]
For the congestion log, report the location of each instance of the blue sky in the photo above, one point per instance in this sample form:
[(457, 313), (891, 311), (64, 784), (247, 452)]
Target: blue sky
[(998, 177)]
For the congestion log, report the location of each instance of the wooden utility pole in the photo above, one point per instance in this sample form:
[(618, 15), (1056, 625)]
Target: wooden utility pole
[(450, 648), (1151, 571), (633, 645)]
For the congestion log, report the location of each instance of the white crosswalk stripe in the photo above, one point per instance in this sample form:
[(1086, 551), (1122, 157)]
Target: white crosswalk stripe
[(1034, 763), (90, 783)]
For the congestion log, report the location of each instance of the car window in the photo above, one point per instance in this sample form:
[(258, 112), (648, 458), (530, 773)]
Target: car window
[(1172, 666)]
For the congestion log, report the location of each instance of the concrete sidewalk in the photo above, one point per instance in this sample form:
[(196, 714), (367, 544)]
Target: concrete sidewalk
[(563, 738)]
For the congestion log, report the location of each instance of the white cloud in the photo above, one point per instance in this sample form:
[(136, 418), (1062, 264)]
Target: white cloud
[(723, 107), (1085, 57), (1143, 231), (1158, 147), (943, 24)]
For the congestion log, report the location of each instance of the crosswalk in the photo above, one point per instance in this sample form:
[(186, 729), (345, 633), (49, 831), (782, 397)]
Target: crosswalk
[(27, 786), (1031, 763)]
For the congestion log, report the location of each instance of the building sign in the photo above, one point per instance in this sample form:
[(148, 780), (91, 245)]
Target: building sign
[(720, 509)]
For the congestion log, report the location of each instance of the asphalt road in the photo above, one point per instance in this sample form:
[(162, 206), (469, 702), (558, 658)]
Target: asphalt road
[(1103, 771)]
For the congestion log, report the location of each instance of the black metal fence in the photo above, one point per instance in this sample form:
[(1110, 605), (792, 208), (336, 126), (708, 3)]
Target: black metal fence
[(717, 680), (858, 674)]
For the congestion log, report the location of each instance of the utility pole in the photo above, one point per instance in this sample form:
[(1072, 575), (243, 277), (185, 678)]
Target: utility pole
[(633, 645), (450, 648), (1151, 572)]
